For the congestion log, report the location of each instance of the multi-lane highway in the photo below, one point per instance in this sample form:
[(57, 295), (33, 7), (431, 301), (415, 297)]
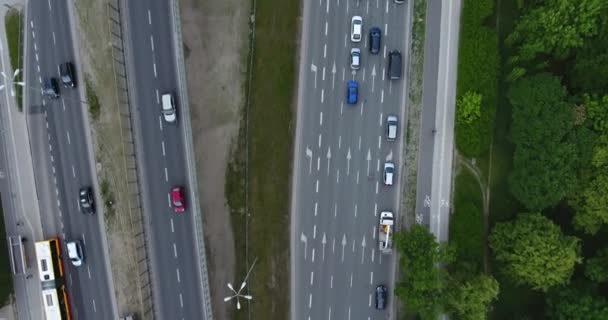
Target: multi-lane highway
[(175, 268), (339, 153), (61, 158)]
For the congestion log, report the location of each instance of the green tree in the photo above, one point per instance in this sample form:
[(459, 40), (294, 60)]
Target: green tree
[(596, 268), (422, 281), (470, 299), (468, 107), (556, 26), (532, 250), (577, 304), (545, 159), (593, 212)]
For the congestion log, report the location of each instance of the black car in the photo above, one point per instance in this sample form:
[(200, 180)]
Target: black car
[(374, 40), (66, 71), (394, 65), (87, 204), (51, 88), (381, 297)]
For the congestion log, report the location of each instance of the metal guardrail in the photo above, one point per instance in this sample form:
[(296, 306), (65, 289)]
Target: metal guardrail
[(135, 214), (191, 166)]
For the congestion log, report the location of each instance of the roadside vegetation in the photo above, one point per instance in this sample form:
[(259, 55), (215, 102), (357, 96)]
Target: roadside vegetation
[(261, 224), (6, 279), (14, 34), (93, 100), (532, 111)]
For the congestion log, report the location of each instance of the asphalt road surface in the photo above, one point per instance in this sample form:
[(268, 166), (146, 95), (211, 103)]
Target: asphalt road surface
[(339, 154), (175, 274), (61, 159), (434, 181)]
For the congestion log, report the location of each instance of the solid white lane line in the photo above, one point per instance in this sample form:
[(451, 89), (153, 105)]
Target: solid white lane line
[(162, 144), (166, 175), (172, 227), (149, 17), (177, 273), (174, 248)]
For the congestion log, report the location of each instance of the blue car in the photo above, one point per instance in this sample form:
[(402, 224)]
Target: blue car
[(352, 92)]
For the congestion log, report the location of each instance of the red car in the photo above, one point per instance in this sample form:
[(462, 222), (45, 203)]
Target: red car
[(177, 199)]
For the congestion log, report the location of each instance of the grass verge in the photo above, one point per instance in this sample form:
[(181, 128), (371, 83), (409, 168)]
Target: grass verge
[(466, 223), (6, 280), (269, 139), (14, 34), (93, 100)]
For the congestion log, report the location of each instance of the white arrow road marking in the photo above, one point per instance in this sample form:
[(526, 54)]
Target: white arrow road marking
[(348, 157), (323, 241), (343, 246), (373, 77), (333, 76), (328, 158), (305, 240), (309, 156), (363, 250), (389, 156), (369, 159)]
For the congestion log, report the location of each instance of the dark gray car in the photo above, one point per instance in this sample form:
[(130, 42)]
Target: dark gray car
[(51, 88), (394, 65), (66, 71), (381, 297)]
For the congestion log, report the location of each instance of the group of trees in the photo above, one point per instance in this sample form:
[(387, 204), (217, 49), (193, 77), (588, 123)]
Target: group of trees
[(556, 79), (426, 286)]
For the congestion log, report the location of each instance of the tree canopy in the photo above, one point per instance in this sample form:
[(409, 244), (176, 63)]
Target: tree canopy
[(544, 159), (470, 299), (532, 250), (556, 26), (596, 268), (577, 304), (422, 282)]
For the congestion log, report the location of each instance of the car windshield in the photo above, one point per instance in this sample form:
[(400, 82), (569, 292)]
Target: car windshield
[(177, 203)]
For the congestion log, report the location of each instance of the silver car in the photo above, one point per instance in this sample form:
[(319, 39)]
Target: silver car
[(75, 252), (355, 58), (356, 29), (389, 173), (392, 127)]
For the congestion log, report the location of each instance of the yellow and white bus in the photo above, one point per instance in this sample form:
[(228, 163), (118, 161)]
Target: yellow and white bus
[(50, 269)]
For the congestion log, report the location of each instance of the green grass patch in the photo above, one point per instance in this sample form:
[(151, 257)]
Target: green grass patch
[(92, 100), (269, 138), (6, 279), (466, 223), (108, 198), (14, 34)]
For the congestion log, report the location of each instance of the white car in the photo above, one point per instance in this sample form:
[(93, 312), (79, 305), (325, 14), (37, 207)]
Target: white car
[(168, 108), (75, 252), (355, 58), (392, 127), (356, 29), (389, 173)]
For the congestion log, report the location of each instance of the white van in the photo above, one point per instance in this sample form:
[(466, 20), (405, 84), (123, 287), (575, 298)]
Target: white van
[(168, 108)]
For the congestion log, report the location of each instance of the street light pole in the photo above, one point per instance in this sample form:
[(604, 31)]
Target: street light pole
[(237, 293)]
